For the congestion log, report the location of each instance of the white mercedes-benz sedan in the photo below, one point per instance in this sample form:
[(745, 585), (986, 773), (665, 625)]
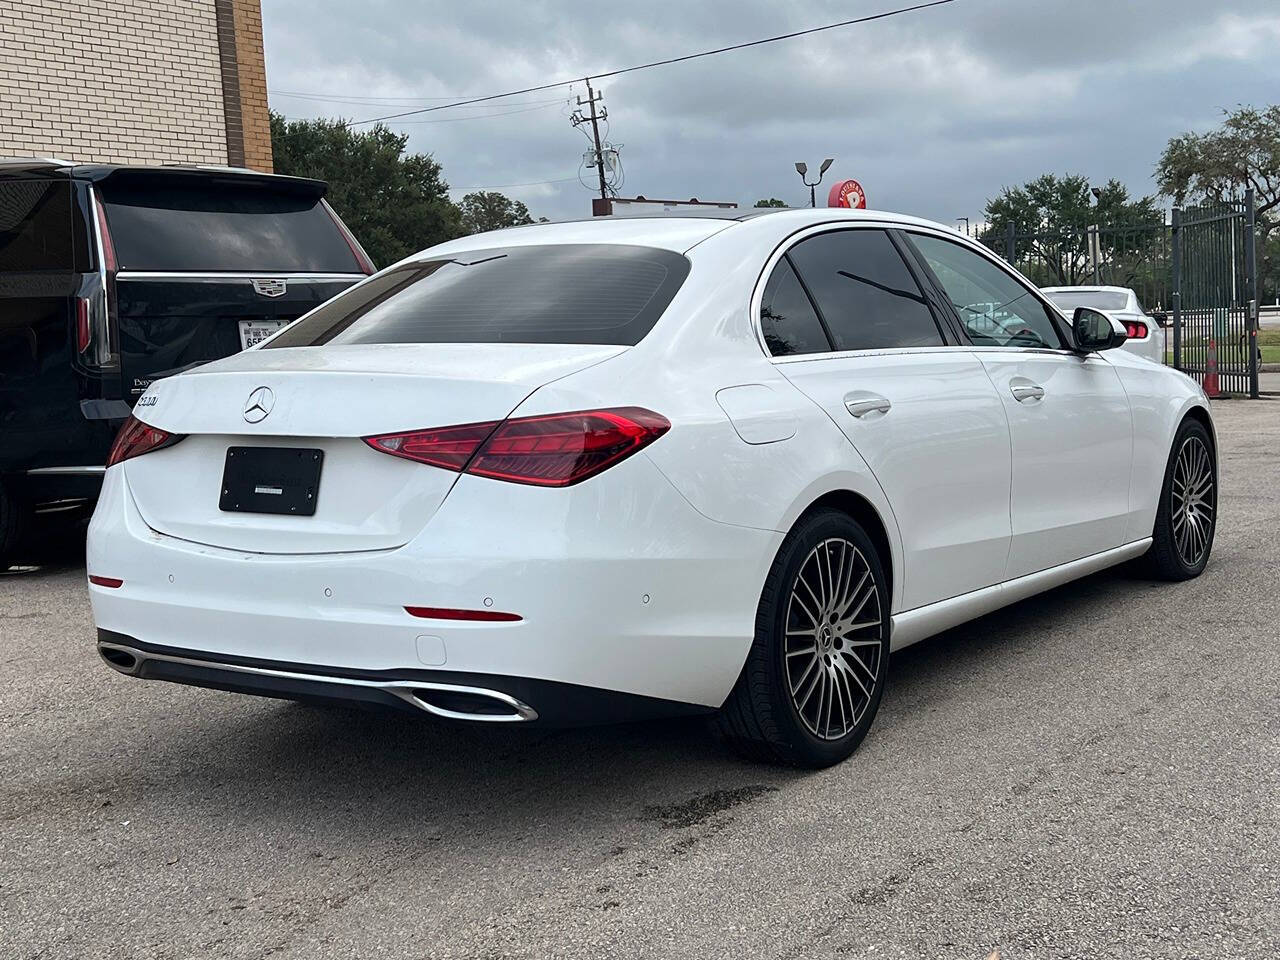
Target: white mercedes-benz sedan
[(619, 468)]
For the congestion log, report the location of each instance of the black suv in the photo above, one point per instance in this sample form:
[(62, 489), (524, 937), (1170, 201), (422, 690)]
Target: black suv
[(114, 276)]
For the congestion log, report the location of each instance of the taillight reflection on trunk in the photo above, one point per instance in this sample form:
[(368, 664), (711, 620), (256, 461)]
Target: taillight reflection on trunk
[(82, 325), (555, 450), (136, 438)]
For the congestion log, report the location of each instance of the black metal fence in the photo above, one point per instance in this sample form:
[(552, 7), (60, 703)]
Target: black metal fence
[(1215, 307)]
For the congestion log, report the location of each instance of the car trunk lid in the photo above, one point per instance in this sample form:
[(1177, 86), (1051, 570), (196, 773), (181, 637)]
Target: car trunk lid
[(324, 401)]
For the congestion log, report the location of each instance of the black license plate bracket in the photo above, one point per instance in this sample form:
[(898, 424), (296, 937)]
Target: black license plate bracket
[(277, 480)]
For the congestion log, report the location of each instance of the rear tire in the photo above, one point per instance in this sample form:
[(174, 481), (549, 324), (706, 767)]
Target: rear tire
[(13, 523), (1187, 517), (815, 674)]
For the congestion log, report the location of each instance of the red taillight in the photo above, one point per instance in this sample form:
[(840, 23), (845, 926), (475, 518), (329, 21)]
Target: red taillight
[(362, 258), (555, 450), (111, 582), (136, 438), (82, 324), (448, 447), (108, 248), (449, 613), (1135, 329)]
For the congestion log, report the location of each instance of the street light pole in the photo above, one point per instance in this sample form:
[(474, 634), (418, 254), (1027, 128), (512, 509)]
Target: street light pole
[(966, 224), (803, 170)]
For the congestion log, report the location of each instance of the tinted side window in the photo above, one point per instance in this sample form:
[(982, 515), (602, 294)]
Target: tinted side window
[(864, 291), (996, 310), (787, 318), (36, 225)]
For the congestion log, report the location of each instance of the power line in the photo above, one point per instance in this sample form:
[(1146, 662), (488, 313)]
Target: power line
[(662, 63), (503, 186), (390, 101), (478, 116)]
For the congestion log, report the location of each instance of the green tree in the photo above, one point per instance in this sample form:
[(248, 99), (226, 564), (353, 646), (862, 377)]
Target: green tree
[(395, 204), (1053, 214), (490, 210), (1215, 166), (771, 202), (1243, 152)]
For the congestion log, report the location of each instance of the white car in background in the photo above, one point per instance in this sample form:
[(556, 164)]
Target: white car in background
[(1145, 333), (619, 468)]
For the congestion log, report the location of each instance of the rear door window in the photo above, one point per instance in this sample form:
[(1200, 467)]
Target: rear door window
[(787, 318), (864, 292), (223, 227), (36, 226), (565, 293)]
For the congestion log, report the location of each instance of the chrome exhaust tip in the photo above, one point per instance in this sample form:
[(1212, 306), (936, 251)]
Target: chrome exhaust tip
[(119, 658), (456, 702)]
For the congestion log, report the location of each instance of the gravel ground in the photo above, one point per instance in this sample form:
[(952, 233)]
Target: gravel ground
[(1092, 773)]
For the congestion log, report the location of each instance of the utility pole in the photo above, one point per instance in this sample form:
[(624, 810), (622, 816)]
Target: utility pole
[(594, 98)]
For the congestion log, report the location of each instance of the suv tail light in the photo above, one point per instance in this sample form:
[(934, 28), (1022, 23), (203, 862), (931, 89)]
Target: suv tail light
[(1135, 329), (556, 450), (357, 251), (136, 438)]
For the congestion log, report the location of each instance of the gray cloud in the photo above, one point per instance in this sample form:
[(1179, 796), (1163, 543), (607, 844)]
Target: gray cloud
[(933, 111)]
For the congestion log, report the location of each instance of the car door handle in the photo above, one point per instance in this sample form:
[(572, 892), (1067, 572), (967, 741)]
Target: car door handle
[(860, 406), (1024, 390)]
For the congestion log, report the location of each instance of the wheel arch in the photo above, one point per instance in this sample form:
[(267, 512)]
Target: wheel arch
[(1200, 413), (864, 512)]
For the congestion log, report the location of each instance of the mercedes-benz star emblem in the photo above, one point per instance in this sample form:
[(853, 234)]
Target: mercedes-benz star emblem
[(259, 405)]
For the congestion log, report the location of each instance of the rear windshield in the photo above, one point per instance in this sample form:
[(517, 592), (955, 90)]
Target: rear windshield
[(1097, 299), (223, 227), (570, 293), (37, 226)]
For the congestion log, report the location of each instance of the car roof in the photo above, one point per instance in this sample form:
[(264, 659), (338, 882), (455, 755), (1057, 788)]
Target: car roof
[(173, 173), (671, 231), (1090, 288)]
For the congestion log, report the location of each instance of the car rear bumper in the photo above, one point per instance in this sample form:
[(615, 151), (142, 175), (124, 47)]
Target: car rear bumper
[(620, 587), (444, 694)]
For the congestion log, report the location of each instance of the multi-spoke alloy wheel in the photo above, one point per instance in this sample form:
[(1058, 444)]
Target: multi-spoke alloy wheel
[(1188, 511), (832, 644), (815, 674), (1192, 501)]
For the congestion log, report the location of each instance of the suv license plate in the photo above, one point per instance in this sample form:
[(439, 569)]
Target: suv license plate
[(255, 331)]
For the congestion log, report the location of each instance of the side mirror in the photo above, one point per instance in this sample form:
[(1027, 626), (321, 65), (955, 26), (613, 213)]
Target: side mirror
[(1094, 330)]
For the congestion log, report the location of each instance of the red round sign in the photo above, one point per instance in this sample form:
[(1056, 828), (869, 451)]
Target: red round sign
[(847, 193)]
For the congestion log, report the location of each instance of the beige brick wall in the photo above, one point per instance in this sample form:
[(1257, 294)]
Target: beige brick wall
[(123, 81), (253, 85)]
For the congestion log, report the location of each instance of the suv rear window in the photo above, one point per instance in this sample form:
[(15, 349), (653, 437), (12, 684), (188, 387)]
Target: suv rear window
[(567, 293), (36, 225), (223, 227)]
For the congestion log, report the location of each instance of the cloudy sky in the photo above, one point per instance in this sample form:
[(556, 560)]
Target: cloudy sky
[(932, 111)]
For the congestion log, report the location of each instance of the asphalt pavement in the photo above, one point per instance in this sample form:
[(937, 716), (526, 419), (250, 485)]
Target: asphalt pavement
[(1091, 773)]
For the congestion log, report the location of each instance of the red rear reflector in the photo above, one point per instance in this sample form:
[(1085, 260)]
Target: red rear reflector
[(82, 324), (556, 450), (448, 613), (111, 582), (1136, 330), (136, 438)]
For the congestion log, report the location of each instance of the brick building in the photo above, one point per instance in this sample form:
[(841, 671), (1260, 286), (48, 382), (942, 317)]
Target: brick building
[(134, 81)]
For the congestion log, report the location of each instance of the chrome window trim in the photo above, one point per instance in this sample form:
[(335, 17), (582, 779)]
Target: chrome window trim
[(238, 275), (67, 471)]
